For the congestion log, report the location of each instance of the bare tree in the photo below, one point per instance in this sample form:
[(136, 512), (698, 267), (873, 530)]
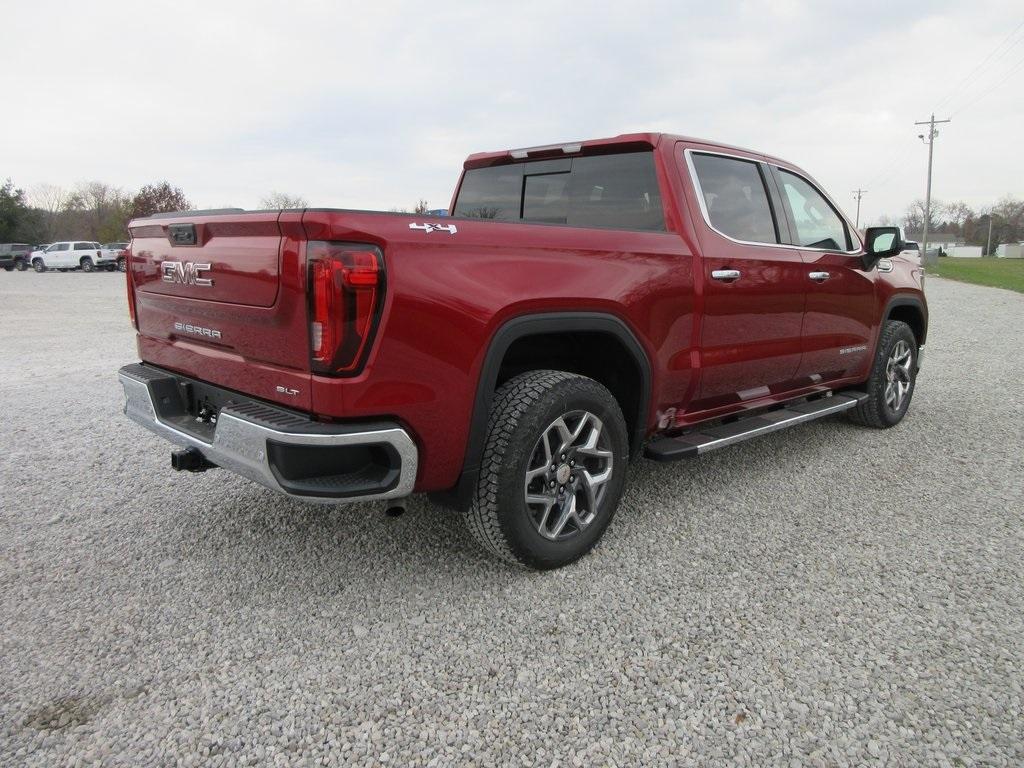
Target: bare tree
[(103, 210), (421, 207), (51, 201), (957, 213), (913, 219), (283, 200)]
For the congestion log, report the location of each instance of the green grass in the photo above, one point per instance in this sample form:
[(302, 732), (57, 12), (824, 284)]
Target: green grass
[(999, 273)]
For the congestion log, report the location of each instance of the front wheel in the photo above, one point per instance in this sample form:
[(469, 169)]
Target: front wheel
[(122, 265), (38, 265), (893, 378), (20, 265), (553, 469)]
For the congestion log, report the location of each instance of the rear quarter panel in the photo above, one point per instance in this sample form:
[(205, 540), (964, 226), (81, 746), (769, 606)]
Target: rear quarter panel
[(448, 295)]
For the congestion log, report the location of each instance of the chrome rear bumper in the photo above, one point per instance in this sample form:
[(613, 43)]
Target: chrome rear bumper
[(275, 447)]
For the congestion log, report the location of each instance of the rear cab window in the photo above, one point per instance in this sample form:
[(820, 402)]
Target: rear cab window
[(615, 191), (734, 197)]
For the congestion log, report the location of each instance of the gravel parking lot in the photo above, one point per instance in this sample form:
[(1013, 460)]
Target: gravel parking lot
[(827, 596)]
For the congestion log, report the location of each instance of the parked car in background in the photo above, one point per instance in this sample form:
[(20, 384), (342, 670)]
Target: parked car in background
[(911, 248), (115, 252), (14, 255), (70, 254)]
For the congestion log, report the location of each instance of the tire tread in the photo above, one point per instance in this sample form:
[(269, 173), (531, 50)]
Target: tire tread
[(868, 412)]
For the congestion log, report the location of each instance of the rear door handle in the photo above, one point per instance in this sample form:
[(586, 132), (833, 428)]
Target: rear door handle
[(725, 274), (819, 277)]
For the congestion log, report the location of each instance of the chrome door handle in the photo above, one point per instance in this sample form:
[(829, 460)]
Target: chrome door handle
[(725, 274), (819, 277)]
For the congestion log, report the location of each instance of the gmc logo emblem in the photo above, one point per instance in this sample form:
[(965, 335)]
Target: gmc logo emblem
[(185, 272)]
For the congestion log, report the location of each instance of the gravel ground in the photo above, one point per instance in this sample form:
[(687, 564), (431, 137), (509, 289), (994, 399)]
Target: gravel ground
[(826, 596)]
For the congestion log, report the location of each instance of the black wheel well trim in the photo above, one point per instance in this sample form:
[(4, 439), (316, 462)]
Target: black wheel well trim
[(908, 301), (534, 324)]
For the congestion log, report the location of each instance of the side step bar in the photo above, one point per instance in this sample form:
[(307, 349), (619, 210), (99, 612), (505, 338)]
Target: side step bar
[(721, 435)]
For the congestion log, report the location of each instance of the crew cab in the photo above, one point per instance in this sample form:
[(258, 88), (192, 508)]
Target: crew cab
[(71, 254), (583, 305)]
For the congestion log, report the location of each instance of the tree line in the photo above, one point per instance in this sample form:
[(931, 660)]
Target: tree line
[(101, 212), (969, 225), (93, 210)]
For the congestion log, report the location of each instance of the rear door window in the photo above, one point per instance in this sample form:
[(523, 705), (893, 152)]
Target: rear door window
[(82, 246), (735, 198), (615, 191), (817, 223)]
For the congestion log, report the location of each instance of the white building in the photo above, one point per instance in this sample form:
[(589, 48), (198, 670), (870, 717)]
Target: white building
[(965, 251)]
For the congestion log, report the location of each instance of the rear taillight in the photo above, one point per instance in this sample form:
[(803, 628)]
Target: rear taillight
[(346, 287)]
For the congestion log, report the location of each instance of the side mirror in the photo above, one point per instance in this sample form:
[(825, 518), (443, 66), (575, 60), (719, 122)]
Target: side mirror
[(881, 243)]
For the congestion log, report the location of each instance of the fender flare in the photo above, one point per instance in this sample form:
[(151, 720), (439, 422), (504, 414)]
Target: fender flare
[(511, 331), (905, 300)]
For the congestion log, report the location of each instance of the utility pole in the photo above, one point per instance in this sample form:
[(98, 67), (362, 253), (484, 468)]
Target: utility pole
[(858, 193), (988, 248), (930, 141)]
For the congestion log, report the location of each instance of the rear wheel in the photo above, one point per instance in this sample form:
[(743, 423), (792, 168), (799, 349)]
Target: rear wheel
[(893, 378), (8, 269), (122, 265), (553, 469), (20, 264), (38, 265), (87, 265)]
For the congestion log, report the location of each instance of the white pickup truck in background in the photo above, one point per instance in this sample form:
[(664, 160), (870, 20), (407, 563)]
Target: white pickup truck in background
[(73, 254)]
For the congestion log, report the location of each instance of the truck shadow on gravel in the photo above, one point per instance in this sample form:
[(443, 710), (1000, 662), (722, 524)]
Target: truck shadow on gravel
[(260, 532)]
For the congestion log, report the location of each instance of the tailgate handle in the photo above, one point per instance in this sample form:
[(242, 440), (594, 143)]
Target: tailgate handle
[(182, 234)]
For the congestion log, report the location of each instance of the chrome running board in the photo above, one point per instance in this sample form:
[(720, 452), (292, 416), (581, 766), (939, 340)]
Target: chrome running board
[(704, 439)]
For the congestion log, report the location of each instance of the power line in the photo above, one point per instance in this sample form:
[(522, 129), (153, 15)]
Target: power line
[(895, 167), (1013, 69), (984, 61), (887, 169), (892, 168)]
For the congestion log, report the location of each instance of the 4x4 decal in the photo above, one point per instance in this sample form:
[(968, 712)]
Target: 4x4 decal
[(451, 229)]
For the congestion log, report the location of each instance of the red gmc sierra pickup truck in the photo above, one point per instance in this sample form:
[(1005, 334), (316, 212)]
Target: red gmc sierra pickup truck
[(583, 304)]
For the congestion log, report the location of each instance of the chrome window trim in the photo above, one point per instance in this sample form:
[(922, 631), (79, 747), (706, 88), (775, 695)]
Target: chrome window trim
[(695, 180)]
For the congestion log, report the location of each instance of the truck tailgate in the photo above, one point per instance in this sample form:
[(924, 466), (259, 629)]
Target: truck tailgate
[(221, 297)]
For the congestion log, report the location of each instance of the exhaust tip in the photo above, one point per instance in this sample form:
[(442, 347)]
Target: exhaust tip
[(395, 508)]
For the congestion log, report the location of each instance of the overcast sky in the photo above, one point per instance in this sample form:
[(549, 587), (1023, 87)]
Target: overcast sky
[(376, 104)]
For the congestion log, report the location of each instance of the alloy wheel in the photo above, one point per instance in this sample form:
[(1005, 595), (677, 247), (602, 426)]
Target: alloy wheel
[(567, 475), (898, 375)]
